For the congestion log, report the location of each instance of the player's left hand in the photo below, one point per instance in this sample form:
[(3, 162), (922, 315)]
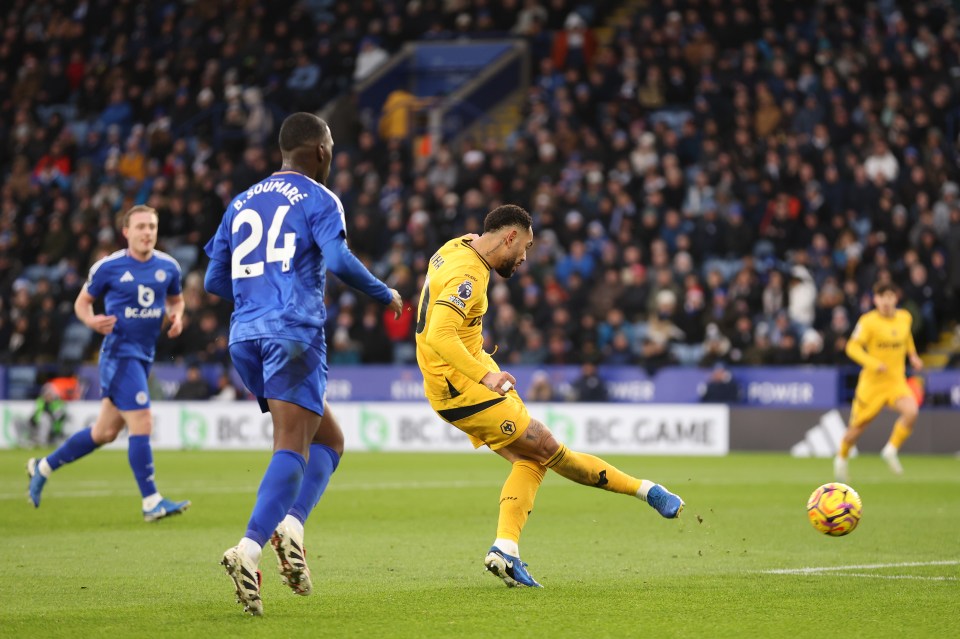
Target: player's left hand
[(176, 326), (916, 362)]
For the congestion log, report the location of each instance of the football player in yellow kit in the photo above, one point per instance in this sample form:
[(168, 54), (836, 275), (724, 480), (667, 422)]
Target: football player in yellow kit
[(880, 343), (467, 389)]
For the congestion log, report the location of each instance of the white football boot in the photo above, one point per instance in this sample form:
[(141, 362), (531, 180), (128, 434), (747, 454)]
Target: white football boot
[(889, 454), (288, 544), (840, 470), (246, 577)]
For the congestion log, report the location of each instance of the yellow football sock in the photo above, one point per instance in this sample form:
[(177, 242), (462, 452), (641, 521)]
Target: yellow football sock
[(844, 449), (592, 471), (516, 498), (900, 434)]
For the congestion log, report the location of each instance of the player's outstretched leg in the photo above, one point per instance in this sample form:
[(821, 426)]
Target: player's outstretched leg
[(246, 578), (516, 502), (78, 445), (592, 471)]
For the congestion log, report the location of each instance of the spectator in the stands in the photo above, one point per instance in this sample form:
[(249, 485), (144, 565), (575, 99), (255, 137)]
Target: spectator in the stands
[(194, 386), (589, 386)]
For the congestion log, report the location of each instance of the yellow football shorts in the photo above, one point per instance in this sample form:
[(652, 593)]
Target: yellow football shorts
[(485, 416), (869, 400)]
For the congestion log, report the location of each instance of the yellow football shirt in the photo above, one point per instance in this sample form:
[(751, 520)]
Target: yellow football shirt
[(882, 340), (449, 330)]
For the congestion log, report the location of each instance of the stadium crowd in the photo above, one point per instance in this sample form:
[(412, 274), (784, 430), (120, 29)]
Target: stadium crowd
[(721, 182)]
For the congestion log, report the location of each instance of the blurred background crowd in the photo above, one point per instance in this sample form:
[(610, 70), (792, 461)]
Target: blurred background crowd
[(711, 181)]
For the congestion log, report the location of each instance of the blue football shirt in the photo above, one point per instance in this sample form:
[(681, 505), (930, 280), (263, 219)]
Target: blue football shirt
[(271, 237), (136, 293)]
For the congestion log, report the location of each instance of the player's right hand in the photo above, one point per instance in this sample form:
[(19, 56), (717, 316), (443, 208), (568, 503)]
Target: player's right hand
[(396, 304), (102, 324), (881, 368), (496, 381)]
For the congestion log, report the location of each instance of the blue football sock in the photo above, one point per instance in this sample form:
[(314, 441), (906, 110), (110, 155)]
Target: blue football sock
[(280, 486), (323, 462), (79, 444), (140, 456)]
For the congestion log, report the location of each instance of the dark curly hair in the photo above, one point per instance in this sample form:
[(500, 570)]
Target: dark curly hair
[(507, 215)]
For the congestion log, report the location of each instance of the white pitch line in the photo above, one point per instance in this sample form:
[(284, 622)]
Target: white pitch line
[(918, 577), (822, 569), (218, 490)]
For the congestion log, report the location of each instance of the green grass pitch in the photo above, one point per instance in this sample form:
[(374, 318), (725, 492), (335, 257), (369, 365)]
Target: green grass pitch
[(396, 549)]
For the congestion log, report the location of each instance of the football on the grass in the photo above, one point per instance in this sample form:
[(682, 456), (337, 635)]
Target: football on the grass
[(835, 509)]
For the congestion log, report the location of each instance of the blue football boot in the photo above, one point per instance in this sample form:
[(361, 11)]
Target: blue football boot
[(509, 568), (165, 508), (665, 502), (37, 482)]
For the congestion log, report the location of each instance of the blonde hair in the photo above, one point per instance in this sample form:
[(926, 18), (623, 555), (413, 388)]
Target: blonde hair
[(139, 208)]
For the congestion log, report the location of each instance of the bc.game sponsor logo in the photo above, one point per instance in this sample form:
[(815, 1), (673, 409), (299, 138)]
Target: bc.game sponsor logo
[(131, 312)]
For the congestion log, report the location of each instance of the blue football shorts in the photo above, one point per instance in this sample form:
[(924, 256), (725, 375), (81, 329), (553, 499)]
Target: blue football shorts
[(282, 369), (124, 381)]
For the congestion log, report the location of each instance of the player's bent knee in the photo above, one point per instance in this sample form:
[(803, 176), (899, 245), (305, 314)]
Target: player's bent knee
[(329, 434), (908, 410), (102, 435), (140, 424), (544, 443), (336, 445), (549, 447)]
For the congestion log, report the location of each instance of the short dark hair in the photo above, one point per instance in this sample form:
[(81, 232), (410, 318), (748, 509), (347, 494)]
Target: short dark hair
[(885, 287), (507, 215), (302, 129)]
